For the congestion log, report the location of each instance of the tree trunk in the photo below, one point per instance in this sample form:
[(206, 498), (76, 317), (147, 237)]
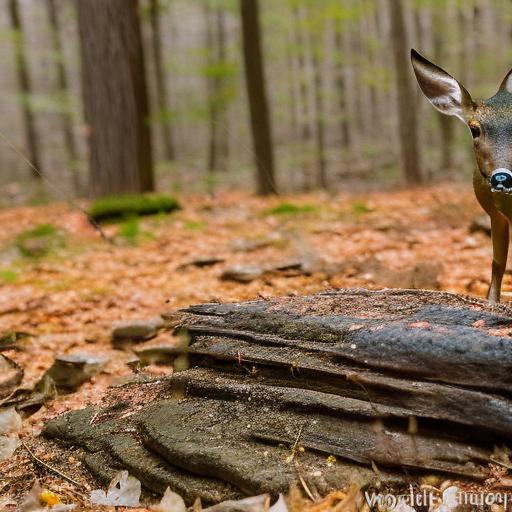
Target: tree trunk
[(321, 174), (223, 132), (305, 107), (115, 97), (62, 84), (161, 83), (408, 127), (31, 136), (212, 90), (257, 96), (341, 83), (446, 123)]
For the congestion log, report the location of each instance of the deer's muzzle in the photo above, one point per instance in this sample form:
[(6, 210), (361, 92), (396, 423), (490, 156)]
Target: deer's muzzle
[(501, 180)]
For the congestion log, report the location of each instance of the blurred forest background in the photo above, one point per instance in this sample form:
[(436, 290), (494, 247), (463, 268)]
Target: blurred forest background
[(329, 102)]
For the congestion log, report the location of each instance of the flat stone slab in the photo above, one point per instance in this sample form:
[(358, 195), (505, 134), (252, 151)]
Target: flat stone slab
[(353, 386)]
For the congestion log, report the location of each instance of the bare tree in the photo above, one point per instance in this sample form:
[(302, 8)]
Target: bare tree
[(115, 97), (318, 94), (62, 84), (24, 84), (408, 127), (341, 83), (161, 82), (216, 52), (257, 96), (446, 123)]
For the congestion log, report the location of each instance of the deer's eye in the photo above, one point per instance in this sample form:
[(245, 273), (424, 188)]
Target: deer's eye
[(475, 130)]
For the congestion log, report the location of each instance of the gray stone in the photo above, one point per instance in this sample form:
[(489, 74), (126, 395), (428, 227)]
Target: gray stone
[(137, 329)]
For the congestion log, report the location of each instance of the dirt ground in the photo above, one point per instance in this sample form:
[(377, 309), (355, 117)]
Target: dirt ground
[(68, 300)]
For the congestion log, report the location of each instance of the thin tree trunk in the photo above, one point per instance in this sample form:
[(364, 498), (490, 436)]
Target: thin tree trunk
[(321, 176), (216, 50), (408, 127), (257, 96), (223, 135), (212, 88), (62, 83), (305, 108), (24, 84), (293, 97), (446, 123), (341, 83), (115, 97), (161, 82)]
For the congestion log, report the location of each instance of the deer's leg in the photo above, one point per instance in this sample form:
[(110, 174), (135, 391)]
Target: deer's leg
[(500, 237)]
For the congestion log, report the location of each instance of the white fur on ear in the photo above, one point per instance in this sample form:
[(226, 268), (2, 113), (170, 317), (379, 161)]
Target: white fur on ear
[(442, 90), (453, 96)]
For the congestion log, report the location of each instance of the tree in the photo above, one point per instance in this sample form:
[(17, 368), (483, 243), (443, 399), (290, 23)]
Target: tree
[(62, 84), (446, 123), (408, 126), (257, 96), (216, 74), (161, 83), (317, 26), (341, 83), (115, 97), (24, 84)]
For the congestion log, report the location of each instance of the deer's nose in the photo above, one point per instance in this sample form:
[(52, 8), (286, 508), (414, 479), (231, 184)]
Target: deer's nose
[(501, 180)]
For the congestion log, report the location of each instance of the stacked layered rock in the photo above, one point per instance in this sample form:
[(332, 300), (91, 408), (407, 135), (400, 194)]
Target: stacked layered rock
[(391, 383)]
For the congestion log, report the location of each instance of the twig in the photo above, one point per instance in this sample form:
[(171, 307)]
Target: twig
[(304, 485), (59, 191), (295, 445), (51, 468), (503, 464)]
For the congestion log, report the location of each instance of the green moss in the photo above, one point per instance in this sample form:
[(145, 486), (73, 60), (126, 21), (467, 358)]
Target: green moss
[(8, 276), (39, 241), (120, 207), (194, 224), (290, 209), (131, 231), (360, 208)]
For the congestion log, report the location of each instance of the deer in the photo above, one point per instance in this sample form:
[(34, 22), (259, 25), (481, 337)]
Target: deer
[(490, 124)]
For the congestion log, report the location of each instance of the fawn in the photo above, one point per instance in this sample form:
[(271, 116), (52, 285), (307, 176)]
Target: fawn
[(490, 123)]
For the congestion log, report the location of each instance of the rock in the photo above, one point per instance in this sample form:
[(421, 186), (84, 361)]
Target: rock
[(11, 376), (242, 274), (201, 263), (256, 243), (137, 329), (161, 350), (326, 388), (70, 371), (30, 399), (481, 223), (10, 426)]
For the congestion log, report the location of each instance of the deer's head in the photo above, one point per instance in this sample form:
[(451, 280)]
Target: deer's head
[(490, 121)]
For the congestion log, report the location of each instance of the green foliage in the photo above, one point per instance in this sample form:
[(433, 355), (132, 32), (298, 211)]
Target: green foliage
[(194, 224), (131, 232), (58, 102), (39, 241), (8, 276), (290, 209), (122, 207), (360, 208)]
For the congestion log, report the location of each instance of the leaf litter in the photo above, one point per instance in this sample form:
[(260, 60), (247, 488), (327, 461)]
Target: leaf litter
[(67, 299)]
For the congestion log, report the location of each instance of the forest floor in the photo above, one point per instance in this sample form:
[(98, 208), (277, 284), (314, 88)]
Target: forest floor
[(68, 300)]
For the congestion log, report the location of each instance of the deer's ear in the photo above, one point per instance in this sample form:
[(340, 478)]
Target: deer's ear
[(506, 85), (442, 90)]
